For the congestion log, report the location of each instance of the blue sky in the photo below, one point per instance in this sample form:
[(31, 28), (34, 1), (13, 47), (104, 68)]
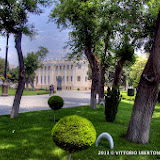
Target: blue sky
[(49, 36)]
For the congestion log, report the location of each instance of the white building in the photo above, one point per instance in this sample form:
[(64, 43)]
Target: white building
[(63, 74)]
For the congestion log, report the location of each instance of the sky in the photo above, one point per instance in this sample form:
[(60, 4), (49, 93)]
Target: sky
[(49, 36)]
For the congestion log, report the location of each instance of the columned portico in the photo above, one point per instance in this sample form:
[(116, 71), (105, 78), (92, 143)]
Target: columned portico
[(47, 75), (51, 75), (43, 76), (39, 76), (84, 74), (65, 76), (73, 75)]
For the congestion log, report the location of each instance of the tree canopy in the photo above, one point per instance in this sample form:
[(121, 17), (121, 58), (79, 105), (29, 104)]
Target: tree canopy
[(136, 70), (32, 63)]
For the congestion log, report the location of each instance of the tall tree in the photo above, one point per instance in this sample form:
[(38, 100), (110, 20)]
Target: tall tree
[(81, 17), (93, 22), (32, 63), (18, 12), (124, 53), (6, 28), (146, 97)]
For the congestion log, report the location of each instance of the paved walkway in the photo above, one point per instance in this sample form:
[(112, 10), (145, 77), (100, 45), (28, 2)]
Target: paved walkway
[(40, 102)]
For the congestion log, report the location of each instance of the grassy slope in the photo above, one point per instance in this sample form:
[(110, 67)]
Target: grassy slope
[(29, 136)]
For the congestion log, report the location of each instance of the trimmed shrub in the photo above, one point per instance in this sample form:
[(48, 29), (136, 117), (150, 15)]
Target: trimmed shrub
[(74, 133), (55, 103), (112, 100)]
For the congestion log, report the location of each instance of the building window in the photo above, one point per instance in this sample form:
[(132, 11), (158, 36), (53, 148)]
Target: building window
[(79, 66), (60, 67), (49, 67), (56, 67), (41, 79), (85, 79), (45, 67), (71, 78), (64, 67), (71, 66), (67, 66), (56, 78), (78, 78), (63, 78), (67, 78)]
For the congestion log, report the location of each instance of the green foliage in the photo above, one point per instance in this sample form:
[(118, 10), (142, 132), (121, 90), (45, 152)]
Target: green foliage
[(74, 133), (2, 65), (14, 74), (112, 100), (32, 61), (126, 50), (55, 102), (126, 97), (14, 15), (149, 24), (136, 71)]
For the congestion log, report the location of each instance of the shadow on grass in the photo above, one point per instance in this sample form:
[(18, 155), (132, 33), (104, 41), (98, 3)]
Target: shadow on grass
[(28, 138)]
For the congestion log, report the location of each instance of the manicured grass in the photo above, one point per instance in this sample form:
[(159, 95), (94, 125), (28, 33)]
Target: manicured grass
[(29, 136), (126, 97), (12, 92)]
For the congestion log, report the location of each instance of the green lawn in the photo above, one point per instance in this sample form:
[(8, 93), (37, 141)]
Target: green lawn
[(29, 136), (126, 97), (11, 92)]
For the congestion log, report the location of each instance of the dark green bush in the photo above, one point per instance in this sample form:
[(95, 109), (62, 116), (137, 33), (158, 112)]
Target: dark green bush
[(55, 102), (74, 133), (112, 100)]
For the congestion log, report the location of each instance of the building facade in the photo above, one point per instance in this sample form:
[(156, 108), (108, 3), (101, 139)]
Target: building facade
[(65, 75)]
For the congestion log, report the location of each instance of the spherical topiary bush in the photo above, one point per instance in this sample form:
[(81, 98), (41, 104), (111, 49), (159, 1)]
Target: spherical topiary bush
[(74, 133), (55, 103)]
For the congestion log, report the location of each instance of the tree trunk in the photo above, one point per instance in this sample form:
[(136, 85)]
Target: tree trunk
[(21, 83), (6, 59), (139, 126), (69, 156), (27, 84), (94, 63), (118, 72), (101, 84), (31, 81), (54, 116), (32, 84)]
